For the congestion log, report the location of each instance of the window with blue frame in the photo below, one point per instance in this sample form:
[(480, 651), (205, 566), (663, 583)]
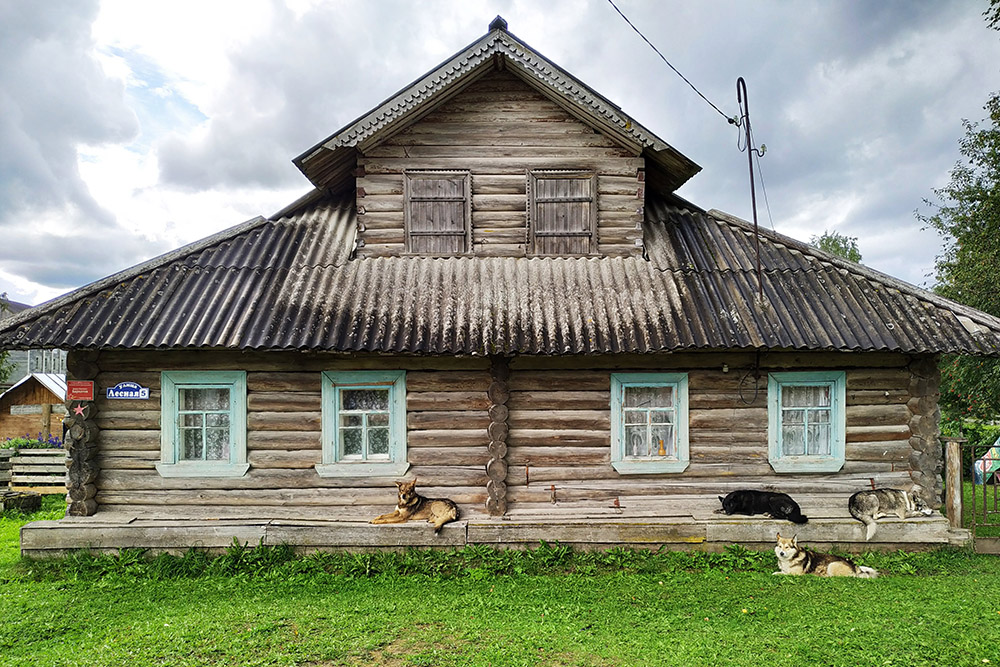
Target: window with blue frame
[(649, 422), (364, 424), (806, 421), (203, 424)]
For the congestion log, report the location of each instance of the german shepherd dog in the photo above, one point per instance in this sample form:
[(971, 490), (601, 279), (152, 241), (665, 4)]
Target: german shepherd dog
[(768, 503), (412, 505), (793, 559), (867, 506)]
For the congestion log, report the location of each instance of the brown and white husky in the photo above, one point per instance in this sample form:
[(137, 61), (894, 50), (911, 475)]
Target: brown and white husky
[(793, 559), (412, 505)]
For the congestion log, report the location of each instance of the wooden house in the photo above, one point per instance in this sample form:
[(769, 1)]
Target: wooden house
[(33, 407), (494, 288)]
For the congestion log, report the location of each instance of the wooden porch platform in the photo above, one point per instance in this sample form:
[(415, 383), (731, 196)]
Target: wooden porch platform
[(640, 525)]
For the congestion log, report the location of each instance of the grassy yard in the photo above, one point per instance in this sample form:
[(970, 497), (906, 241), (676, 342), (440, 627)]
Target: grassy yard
[(477, 606), (983, 501)]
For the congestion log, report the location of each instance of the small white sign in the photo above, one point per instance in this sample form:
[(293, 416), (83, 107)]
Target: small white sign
[(25, 409), (128, 391)]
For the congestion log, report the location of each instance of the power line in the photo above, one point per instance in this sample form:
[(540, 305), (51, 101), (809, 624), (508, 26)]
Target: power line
[(767, 204), (664, 59)]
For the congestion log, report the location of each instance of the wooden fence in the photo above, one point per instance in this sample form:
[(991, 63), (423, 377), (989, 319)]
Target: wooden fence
[(5, 466), (40, 470)]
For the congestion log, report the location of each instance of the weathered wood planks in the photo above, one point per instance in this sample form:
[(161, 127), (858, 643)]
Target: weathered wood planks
[(498, 130)]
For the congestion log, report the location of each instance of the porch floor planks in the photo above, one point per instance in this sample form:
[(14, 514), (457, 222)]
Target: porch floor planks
[(680, 522)]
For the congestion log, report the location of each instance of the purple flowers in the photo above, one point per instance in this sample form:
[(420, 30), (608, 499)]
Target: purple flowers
[(27, 441)]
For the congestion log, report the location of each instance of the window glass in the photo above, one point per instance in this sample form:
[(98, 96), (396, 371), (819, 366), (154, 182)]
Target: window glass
[(204, 424), (649, 422), (806, 422), (364, 423)]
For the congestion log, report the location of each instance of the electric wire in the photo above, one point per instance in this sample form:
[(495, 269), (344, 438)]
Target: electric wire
[(737, 121), (664, 59), (767, 204)]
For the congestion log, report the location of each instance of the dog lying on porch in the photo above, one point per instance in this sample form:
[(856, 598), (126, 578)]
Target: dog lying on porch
[(768, 503), (867, 506), (412, 505)]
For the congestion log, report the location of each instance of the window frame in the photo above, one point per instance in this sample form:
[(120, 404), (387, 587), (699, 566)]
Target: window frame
[(171, 464), (334, 465), (625, 466), (533, 200), (833, 462), (409, 198)]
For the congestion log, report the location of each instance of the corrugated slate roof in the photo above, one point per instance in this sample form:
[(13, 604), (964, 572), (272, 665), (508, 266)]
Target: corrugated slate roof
[(291, 284)]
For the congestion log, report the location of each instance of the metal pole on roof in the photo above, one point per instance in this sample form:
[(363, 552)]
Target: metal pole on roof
[(744, 121)]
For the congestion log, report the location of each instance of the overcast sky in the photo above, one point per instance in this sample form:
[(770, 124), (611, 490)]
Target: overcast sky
[(129, 128)]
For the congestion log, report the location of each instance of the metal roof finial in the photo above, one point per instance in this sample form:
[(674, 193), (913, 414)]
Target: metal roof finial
[(498, 24)]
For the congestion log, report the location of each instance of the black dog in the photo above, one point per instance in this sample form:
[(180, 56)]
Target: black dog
[(769, 503)]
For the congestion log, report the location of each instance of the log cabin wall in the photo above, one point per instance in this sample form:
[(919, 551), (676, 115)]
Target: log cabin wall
[(446, 433), (558, 441), (499, 129)]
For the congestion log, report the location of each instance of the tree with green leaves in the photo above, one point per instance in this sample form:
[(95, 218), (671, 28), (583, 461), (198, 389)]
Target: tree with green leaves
[(838, 244), (967, 216), (5, 366)]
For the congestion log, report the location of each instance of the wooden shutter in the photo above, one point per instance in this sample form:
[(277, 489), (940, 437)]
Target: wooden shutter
[(437, 213), (562, 211)]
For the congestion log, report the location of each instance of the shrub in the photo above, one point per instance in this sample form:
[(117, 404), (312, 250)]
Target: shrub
[(28, 441)]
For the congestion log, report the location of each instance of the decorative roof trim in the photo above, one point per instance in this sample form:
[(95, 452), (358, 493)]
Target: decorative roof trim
[(480, 54)]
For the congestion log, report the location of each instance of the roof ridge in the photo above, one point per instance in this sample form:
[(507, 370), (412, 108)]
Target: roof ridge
[(984, 319)]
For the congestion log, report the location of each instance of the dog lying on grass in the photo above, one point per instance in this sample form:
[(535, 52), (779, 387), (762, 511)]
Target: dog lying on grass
[(793, 559), (768, 503)]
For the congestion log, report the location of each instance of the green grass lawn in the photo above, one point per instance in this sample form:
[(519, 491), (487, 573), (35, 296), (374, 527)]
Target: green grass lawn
[(983, 502), (477, 606)]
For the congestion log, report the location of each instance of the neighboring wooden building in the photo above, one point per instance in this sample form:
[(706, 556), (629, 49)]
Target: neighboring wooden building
[(494, 288), (26, 362), (33, 407)]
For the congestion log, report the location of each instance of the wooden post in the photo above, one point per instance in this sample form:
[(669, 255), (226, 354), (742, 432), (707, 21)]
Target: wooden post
[(81, 439), (47, 420), (496, 469), (953, 480)]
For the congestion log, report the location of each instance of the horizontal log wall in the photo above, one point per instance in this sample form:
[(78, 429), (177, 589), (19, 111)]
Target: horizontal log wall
[(560, 429), (558, 441), (446, 423), (498, 129)]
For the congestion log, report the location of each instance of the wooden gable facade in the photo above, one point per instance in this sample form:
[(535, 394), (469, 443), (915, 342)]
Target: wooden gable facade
[(510, 156), (493, 289)]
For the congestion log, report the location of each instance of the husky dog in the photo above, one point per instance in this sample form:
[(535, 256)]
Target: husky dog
[(793, 559), (769, 503), (866, 506), (412, 505)]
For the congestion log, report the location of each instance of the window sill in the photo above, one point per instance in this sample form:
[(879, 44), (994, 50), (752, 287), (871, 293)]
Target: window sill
[(649, 467), (362, 469), (793, 464), (202, 469)]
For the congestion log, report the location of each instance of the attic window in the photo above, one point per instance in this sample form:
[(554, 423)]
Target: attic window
[(437, 212), (562, 210)]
